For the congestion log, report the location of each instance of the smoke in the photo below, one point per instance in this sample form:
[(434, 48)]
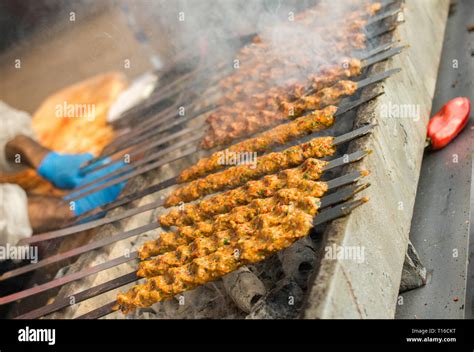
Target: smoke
[(188, 25), (20, 19), (212, 27)]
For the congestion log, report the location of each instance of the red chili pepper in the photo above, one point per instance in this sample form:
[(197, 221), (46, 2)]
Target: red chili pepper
[(446, 124)]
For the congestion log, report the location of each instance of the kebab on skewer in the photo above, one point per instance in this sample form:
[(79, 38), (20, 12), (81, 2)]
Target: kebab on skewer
[(202, 223), (302, 177), (327, 75), (290, 74), (274, 231), (243, 123), (236, 122), (232, 122), (256, 69), (238, 175), (281, 134), (347, 29), (220, 121), (258, 77), (207, 236)]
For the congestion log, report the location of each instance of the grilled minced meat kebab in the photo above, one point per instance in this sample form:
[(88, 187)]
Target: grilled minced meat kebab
[(206, 237), (302, 177), (290, 75), (238, 175), (202, 226), (263, 61), (281, 134), (280, 99), (241, 123), (272, 232), (246, 103)]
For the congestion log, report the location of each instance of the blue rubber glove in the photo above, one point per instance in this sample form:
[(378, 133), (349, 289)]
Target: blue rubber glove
[(100, 198), (63, 169)]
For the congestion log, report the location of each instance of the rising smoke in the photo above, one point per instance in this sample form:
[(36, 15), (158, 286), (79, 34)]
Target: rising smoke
[(186, 27)]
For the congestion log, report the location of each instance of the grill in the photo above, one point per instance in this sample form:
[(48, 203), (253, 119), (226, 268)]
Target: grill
[(161, 137)]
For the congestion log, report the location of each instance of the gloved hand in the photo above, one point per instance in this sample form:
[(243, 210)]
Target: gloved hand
[(63, 169), (102, 197)]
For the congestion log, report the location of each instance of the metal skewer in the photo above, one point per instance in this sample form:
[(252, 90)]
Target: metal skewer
[(67, 279)]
